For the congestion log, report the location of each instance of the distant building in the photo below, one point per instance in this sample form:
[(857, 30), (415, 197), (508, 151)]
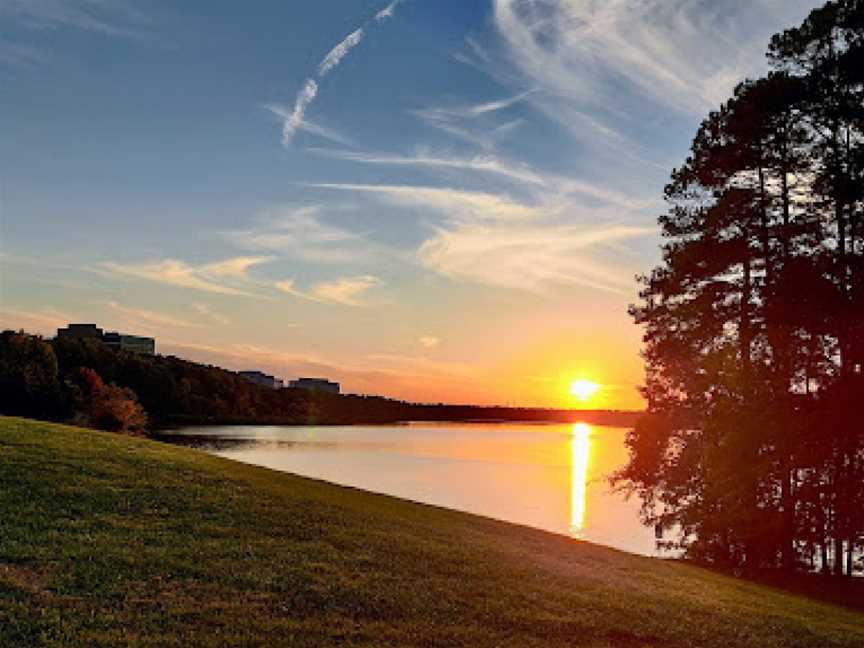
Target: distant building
[(262, 379), (80, 332), (117, 341), (132, 343), (315, 384)]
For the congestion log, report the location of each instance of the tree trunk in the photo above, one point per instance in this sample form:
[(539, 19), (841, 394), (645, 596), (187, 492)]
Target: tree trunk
[(838, 556), (764, 233), (788, 547), (784, 184), (746, 327)]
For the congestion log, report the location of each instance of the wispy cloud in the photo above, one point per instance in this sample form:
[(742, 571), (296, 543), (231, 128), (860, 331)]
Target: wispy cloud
[(429, 341), (300, 232), (476, 109), (508, 127), (18, 55), (477, 57), (568, 188), (325, 132), (223, 277), (347, 291), (484, 139), (484, 164), (531, 257), (109, 18), (293, 121), (44, 321), (461, 121), (499, 104), (560, 188), (210, 314), (43, 17), (496, 240), (143, 316), (235, 267), (468, 204), (592, 59)]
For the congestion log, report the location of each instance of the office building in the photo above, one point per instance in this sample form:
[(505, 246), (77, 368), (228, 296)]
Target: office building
[(80, 332), (115, 340), (315, 384), (131, 343), (262, 379)]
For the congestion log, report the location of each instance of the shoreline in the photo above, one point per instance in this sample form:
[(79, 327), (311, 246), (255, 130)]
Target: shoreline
[(802, 580), (603, 418), (138, 541)]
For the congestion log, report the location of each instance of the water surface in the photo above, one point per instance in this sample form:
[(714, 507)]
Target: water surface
[(552, 477)]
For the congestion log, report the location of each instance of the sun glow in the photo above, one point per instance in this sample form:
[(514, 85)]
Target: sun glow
[(580, 452), (583, 389)]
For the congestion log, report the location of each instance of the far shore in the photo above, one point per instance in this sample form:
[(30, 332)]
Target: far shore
[(433, 414)]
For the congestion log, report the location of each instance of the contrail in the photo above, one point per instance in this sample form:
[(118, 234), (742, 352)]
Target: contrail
[(295, 120), (338, 53)]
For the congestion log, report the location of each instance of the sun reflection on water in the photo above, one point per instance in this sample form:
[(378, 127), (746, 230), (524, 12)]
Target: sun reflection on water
[(580, 449)]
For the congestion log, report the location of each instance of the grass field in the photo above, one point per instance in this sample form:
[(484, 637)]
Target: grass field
[(108, 540)]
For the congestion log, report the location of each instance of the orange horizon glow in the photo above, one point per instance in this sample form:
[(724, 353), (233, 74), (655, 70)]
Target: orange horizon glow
[(537, 372)]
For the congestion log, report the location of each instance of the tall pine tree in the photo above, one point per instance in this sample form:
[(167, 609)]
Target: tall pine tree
[(751, 449)]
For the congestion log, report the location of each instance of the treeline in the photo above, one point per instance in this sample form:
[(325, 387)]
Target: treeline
[(441, 412), (87, 382), (752, 451)]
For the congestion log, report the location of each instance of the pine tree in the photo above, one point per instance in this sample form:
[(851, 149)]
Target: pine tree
[(754, 322)]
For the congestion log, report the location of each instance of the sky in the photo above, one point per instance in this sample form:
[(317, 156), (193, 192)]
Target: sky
[(434, 200)]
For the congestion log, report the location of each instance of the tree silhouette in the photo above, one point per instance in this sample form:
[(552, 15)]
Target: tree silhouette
[(751, 452)]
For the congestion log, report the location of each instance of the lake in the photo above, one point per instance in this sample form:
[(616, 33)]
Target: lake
[(549, 476)]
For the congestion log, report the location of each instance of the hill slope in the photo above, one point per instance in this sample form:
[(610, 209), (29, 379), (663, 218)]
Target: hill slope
[(107, 540)]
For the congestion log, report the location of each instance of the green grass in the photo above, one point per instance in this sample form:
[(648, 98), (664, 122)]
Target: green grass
[(107, 540)]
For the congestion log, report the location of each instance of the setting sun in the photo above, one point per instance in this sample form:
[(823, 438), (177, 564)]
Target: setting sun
[(584, 389)]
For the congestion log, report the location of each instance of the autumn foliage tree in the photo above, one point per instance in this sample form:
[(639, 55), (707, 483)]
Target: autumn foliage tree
[(107, 407), (751, 454)]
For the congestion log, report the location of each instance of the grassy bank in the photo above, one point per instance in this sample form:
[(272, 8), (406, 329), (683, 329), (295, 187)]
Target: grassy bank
[(106, 540)]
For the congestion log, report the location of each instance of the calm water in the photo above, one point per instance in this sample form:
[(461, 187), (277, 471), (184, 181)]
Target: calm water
[(548, 476)]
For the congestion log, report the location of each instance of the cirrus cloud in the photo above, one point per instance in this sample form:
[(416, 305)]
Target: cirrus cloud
[(301, 233), (531, 257), (428, 341), (347, 291), (594, 59), (483, 164), (495, 240), (470, 204), (224, 277)]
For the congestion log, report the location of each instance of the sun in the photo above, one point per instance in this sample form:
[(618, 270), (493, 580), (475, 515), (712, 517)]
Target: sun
[(583, 390)]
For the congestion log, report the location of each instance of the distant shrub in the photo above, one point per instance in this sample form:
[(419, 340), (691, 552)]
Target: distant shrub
[(107, 407)]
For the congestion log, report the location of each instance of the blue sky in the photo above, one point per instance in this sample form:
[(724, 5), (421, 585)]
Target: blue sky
[(440, 200)]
